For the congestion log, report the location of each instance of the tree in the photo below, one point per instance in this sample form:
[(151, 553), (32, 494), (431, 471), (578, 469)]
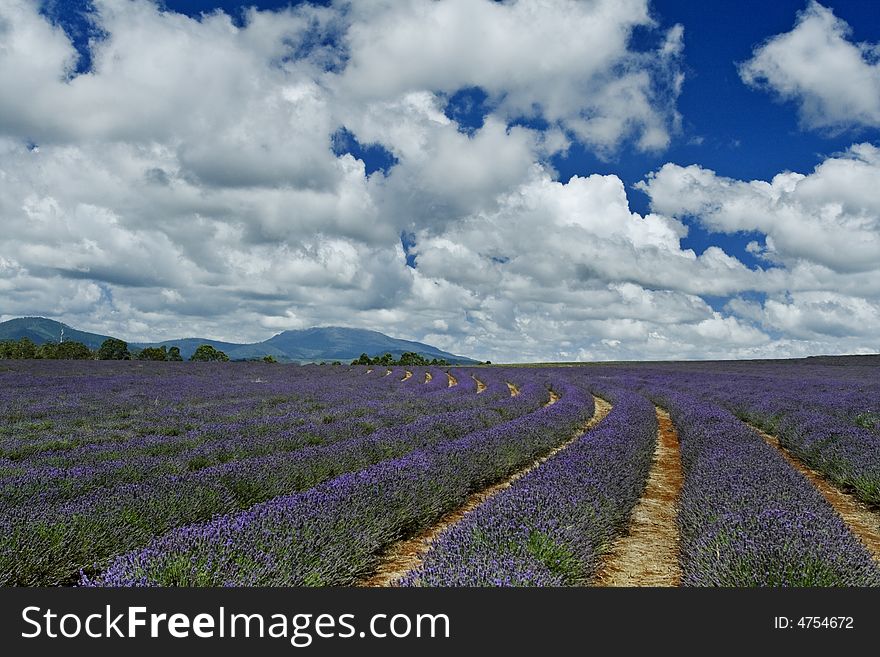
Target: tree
[(207, 353), (153, 353), (71, 350), (64, 351), (26, 348), (363, 359), (23, 348), (47, 350), (113, 349), (408, 358), (174, 354), (413, 358), (269, 359)]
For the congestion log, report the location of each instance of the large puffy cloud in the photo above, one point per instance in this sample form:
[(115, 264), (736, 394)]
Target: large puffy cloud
[(821, 231), (566, 271), (830, 216), (580, 233), (835, 82), (567, 62), (444, 174), (815, 315), (187, 185), (156, 75)]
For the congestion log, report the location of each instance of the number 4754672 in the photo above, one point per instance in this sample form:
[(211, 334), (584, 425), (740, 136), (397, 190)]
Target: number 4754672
[(814, 622)]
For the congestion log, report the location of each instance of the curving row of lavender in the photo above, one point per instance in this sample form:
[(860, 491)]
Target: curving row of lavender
[(100, 466), (845, 454), (747, 518), (825, 411), (87, 417), (333, 533), (50, 538), (551, 526), (193, 474)]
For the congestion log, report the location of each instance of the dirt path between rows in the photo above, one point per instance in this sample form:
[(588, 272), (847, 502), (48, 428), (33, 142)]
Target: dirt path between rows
[(514, 390), (428, 377), (647, 555), (860, 518), (406, 375), (554, 397), (452, 380), (480, 385), (406, 555)]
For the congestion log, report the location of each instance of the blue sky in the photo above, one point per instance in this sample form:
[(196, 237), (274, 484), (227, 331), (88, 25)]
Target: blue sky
[(689, 105)]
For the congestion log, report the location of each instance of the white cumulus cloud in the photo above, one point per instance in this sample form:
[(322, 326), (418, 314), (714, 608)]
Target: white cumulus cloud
[(187, 184), (830, 216), (835, 82)]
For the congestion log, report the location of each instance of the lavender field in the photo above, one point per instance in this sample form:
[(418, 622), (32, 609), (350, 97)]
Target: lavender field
[(213, 474)]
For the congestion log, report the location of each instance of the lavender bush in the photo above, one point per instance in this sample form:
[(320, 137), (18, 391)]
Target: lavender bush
[(551, 526), (748, 519), (333, 533)]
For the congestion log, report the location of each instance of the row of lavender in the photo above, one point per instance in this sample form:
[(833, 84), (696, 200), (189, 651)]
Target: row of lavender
[(49, 535), (103, 465), (333, 533), (49, 419), (54, 409), (747, 518), (832, 425), (348, 406), (551, 527), (825, 411)]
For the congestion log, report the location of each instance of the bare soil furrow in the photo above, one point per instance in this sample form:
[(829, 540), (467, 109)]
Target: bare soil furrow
[(863, 521), (647, 555), (407, 554)]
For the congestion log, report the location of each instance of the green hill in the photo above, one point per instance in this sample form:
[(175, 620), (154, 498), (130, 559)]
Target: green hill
[(327, 343), (41, 330)]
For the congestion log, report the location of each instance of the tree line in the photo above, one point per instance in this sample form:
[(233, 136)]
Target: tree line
[(406, 358), (116, 349), (110, 349)]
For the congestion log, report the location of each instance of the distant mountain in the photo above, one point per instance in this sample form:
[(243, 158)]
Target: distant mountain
[(41, 330), (327, 343), (338, 343), (307, 345)]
